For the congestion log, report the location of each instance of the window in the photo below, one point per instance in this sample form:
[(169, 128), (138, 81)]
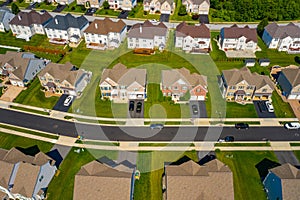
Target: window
[(33, 73), (175, 88), (56, 80), (241, 87), (232, 87), (67, 85), (184, 88), (249, 87), (264, 90), (42, 78), (230, 94), (248, 94), (198, 90), (50, 79)]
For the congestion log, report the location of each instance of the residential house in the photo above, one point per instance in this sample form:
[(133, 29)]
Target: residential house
[(64, 79), (63, 2), (189, 180), (177, 83), (65, 29), (5, 17), (121, 83), (238, 38), (20, 67), (282, 37), (200, 7), (192, 38), (241, 85), (159, 6), (90, 3), (25, 176), (97, 180), (289, 82), (147, 35), (283, 182), (26, 24), (122, 4), (102, 34)]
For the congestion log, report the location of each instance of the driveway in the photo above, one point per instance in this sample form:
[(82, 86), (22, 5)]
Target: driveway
[(287, 157), (134, 113), (164, 18), (262, 111), (60, 104), (59, 8), (11, 93), (123, 14), (201, 109), (203, 19)]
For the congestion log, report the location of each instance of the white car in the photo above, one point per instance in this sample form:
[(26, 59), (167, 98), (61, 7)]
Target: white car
[(292, 125), (68, 100), (269, 106)]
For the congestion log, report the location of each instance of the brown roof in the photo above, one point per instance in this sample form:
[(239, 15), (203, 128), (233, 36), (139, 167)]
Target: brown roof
[(235, 76), (147, 30), (198, 2), (6, 170), (29, 18), (99, 181), (103, 27), (160, 1), (236, 32), (62, 72), (171, 76), (292, 75), (193, 181), (124, 76), (277, 31), (2, 195), (184, 29), (14, 59)]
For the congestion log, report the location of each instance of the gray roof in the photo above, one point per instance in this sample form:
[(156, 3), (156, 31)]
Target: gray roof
[(293, 75), (67, 21), (2, 14), (281, 32), (29, 18), (160, 1), (197, 2), (147, 30)]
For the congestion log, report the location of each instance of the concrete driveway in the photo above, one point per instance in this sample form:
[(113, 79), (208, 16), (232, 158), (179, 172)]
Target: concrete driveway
[(201, 109), (60, 104), (287, 157), (11, 93), (262, 111), (133, 113)]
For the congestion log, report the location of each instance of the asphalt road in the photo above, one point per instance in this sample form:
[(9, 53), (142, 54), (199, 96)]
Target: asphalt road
[(114, 133)]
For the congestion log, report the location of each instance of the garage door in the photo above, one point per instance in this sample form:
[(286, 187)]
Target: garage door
[(292, 96)]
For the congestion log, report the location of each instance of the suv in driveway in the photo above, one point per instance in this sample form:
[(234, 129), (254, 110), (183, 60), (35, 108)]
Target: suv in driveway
[(269, 106), (139, 107), (131, 105)]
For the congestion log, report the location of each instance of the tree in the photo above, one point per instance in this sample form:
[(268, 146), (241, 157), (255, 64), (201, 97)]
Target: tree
[(20, 1), (182, 10), (14, 8), (261, 26), (105, 5)]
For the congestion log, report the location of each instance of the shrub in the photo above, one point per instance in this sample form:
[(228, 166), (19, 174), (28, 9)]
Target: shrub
[(145, 13), (182, 10), (195, 17)]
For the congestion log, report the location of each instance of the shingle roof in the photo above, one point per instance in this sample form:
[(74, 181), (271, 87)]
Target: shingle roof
[(15, 59), (29, 18), (184, 29), (2, 14), (281, 32), (193, 181), (6, 170), (99, 181), (67, 21), (236, 32), (198, 2), (124, 76), (103, 27), (147, 30), (235, 76), (160, 1), (171, 76), (292, 75)]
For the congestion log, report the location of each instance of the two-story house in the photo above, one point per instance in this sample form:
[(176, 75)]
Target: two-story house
[(238, 38), (283, 182), (176, 83), (121, 84), (25, 24), (5, 17), (192, 38), (241, 85), (147, 35), (289, 81), (122, 4), (64, 79), (20, 67), (25, 176), (200, 7), (65, 29), (102, 34), (90, 3), (282, 37), (63, 2), (159, 6)]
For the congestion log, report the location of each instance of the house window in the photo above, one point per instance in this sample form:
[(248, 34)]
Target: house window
[(249, 87), (241, 87), (232, 87), (122, 87), (42, 78), (264, 90), (50, 79), (248, 94), (175, 88), (56, 80), (198, 90), (33, 73), (67, 85), (184, 88), (230, 94)]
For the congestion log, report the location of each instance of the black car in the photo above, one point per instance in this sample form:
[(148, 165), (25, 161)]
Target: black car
[(131, 105), (241, 126), (139, 107), (229, 139), (195, 109)]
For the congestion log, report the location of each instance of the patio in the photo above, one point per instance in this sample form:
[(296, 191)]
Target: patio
[(240, 54)]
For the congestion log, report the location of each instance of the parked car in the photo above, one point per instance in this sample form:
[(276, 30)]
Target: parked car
[(241, 126), (131, 105), (139, 107), (229, 138), (269, 106), (156, 126), (68, 100), (195, 109), (292, 125)]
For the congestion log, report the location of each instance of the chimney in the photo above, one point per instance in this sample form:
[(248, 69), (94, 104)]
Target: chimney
[(20, 18), (56, 21), (96, 25), (141, 30)]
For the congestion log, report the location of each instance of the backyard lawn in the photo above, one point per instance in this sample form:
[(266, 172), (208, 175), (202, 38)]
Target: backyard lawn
[(281, 108), (235, 110), (78, 55), (247, 183), (33, 96), (10, 40)]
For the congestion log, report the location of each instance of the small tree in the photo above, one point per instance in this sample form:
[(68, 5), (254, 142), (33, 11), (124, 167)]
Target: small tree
[(14, 8), (182, 10), (261, 26), (20, 1), (105, 5)]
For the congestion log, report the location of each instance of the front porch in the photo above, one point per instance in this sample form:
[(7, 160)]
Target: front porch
[(58, 41)]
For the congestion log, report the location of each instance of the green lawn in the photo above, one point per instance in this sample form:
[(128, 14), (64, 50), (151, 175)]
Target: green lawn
[(8, 141), (75, 8), (10, 40), (109, 12), (297, 153), (4, 50), (45, 6), (33, 96), (247, 183), (281, 108), (22, 5), (176, 17), (235, 110), (61, 187), (78, 55), (138, 12), (266, 144)]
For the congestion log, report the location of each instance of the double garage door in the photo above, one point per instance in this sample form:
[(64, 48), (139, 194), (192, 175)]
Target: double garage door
[(294, 97)]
